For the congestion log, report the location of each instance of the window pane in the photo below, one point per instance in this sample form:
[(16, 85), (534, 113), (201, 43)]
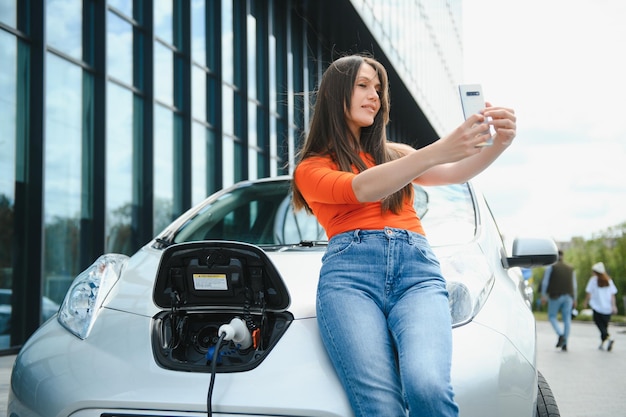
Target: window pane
[(228, 155), (212, 160), (62, 167), (252, 93), (252, 141), (228, 109), (64, 20), (273, 147), (163, 14), (8, 88), (236, 164), (119, 169), (163, 74), (227, 41), (8, 12), (252, 124), (198, 93), (273, 105), (163, 168), (199, 164), (198, 32), (119, 49), (124, 6), (253, 164), (272, 73)]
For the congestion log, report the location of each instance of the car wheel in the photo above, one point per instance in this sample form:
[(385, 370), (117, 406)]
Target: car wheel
[(546, 403)]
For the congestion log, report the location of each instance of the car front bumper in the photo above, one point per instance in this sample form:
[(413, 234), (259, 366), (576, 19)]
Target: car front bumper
[(113, 373)]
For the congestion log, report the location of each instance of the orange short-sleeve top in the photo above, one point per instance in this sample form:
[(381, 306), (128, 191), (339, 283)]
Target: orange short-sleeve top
[(328, 192)]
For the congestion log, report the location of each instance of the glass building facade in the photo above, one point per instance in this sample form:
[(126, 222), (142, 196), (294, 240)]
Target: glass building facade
[(117, 116)]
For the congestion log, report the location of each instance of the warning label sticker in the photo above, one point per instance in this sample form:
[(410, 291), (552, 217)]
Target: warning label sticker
[(210, 282)]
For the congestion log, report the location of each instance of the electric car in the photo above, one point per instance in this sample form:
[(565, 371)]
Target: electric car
[(216, 316)]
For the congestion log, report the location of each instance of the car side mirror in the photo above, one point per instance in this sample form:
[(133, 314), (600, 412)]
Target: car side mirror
[(532, 252)]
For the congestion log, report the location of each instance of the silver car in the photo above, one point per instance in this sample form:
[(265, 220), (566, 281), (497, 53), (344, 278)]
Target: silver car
[(216, 316)]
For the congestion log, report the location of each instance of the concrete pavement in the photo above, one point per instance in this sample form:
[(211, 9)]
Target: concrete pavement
[(6, 364), (586, 382)]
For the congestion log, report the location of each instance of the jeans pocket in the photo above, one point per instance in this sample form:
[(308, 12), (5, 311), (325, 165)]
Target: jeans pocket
[(336, 248), (427, 253)]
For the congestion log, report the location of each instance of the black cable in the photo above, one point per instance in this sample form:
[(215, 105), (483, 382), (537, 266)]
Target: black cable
[(213, 372)]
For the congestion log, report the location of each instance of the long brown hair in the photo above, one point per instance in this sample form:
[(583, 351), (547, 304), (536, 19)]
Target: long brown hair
[(329, 134), (603, 279)]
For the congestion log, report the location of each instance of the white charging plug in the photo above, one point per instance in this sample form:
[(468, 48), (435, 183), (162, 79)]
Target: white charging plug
[(238, 332)]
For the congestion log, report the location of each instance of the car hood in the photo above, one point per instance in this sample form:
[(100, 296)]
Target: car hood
[(299, 270)]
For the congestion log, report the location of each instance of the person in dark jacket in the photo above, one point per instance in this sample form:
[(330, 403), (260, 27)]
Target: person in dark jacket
[(559, 289)]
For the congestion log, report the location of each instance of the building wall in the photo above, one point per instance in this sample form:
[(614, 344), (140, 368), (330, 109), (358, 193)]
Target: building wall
[(116, 117), (423, 40)]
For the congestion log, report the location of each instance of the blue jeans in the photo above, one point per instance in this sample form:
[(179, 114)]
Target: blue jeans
[(384, 317), (564, 305)]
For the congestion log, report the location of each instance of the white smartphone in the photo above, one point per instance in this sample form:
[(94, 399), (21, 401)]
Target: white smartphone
[(472, 102)]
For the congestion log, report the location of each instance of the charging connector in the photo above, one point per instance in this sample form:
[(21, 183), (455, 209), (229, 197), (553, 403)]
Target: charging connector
[(237, 332)]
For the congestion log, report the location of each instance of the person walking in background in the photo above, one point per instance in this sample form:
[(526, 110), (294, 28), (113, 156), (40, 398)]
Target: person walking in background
[(559, 289), (601, 298)]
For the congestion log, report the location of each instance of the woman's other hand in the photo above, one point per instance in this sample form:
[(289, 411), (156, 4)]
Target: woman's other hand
[(503, 120)]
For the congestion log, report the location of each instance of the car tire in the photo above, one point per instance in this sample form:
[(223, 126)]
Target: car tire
[(546, 403)]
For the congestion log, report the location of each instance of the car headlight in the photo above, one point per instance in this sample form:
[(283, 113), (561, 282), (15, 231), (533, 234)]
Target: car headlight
[(87, 293), (469, 281)]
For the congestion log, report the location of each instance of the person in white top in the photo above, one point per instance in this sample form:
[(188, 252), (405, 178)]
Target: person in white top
[(601, 298)]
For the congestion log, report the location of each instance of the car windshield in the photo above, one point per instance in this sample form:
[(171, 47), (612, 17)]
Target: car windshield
[(261, 213)]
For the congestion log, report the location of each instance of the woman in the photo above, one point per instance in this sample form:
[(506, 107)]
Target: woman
[(382, 304), (600, 296)]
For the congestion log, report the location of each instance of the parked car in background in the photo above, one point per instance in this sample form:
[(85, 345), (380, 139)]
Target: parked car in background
[(48, 309), (216, 316)]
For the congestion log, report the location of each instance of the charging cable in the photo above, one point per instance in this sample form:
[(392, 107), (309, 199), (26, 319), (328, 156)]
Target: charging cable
[(213, 372), (235, 331)]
